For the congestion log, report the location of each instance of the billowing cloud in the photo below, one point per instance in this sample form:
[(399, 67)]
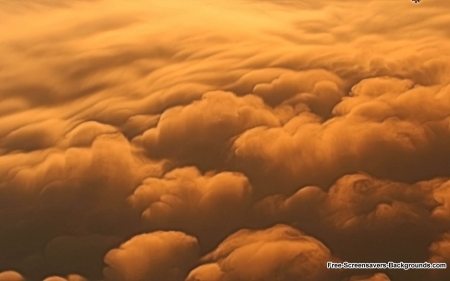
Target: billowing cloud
[(187, 200), (11, 276), (378, 216), (71, 277), (440, 253), (209, 124), (388, 135), (77, 193), (167, 126), (154, 256), (277, 253)]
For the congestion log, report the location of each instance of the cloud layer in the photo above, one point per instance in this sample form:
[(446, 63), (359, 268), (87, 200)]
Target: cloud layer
[(243, 140)]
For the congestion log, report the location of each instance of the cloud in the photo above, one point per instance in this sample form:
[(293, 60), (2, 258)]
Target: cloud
[(375, 277), (69, 193), (319, 90), (440, 253), (72, 277), (277, 253), (391, 216), (361, 214), (209, 124), (390, 137), (153, 256), (120, 119), (186, 199), (11, 276), (361, 203)]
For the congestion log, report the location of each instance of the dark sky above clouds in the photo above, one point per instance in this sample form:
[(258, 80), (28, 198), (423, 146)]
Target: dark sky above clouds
[(242, 140)]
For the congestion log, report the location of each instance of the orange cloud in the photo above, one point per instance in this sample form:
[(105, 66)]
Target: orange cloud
[(170, 125), (11, 276), (152, 256), (280, 252)]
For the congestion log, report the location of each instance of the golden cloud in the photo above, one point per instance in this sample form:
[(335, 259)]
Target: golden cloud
[(206, 140)]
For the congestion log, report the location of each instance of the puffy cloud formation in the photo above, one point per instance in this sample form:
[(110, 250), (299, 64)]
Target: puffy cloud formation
[(186, 200), (154, 256), (167, 126), (388, 135), (71, 277), (11, 276), (209, 124), (382, 217), (278, 253), (440, 253)]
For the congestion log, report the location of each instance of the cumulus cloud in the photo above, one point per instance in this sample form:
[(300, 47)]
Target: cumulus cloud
[(373, 215), (71, 277), (121, 119), (153, 256), (277, 253), (209, 125), (187, 200), (11, 276), (387, 135), (440, 253), (76, 192)]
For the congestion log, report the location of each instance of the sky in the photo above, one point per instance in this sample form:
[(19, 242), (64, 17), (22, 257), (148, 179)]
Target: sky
[(240, 140)]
